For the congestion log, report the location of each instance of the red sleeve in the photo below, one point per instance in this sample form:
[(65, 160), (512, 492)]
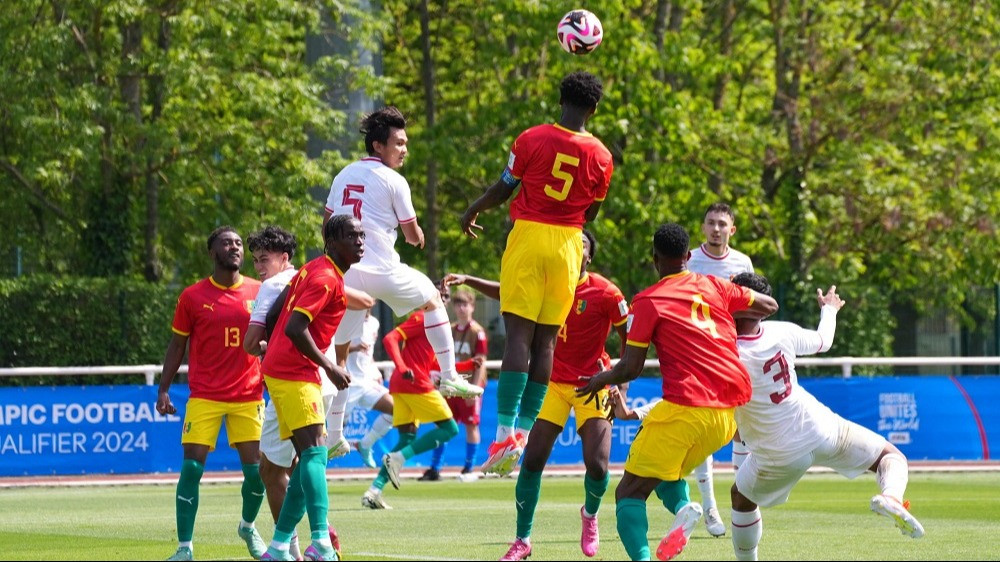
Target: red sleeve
[(602, 191), (412, 327), (643, 323), (315, 291), (519, 155), (617, 306), (737, 297), (465, 366), (482, 345), (183, 323), (391, 344)]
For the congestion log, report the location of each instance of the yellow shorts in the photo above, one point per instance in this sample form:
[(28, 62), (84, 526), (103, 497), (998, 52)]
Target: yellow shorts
[(674, 439), (539, 271), (203, 418), (561, 397), (419, 408), (298, 404)]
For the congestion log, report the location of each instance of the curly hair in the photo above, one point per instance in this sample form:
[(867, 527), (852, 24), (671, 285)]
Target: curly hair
[(593, 243), (754, 281), (376, 126), (581, 89), (273, 239), (671, 241)]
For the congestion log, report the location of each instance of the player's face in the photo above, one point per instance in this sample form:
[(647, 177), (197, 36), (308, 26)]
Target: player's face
[(718, 228), (351, 246), (586, 254), (227, 251), (269, 263), (393, 152)]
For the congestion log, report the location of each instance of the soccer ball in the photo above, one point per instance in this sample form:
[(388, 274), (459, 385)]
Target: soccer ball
[(579, 32)]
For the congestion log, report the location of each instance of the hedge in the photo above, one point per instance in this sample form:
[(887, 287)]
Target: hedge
[(57, 321)]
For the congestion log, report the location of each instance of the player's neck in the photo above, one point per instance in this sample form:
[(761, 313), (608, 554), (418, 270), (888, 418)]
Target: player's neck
[(715, 250), (747, 327), (573, 120), (225, 277)]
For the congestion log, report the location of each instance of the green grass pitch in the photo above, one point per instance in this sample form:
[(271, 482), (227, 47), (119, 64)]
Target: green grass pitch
[(827, 518)]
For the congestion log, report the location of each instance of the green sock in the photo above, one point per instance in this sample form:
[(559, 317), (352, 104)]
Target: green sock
[(429, 441), (253, 492), (312, 462), (531, 404), (405, 438), (632, 528), (293, 508), (526, 493), (510, 387), (594, 492), (187, 498), (674, 494)]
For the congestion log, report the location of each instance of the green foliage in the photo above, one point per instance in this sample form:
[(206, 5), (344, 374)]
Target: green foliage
[(62, 321)]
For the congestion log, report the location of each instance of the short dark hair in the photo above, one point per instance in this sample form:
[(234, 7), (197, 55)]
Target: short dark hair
[(335, 227), (672, 241), (219, 232), (754, 281), (376, 126), (593, 243), (721, 207), (273, 239), (581, 89)]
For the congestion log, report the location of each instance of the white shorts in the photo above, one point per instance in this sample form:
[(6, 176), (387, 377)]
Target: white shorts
[(364, 393), (404, 289), (853, 453), (280, 451)]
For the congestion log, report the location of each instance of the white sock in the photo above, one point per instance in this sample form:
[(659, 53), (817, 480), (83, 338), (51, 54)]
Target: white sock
[(747, 529), (189, 544), (293, 547), (503, 432), (374, 491), (703, 472), (379, 429), (893, 475), (281, 546), (438, 329), (740, 452), (335, 418), (244, 524)]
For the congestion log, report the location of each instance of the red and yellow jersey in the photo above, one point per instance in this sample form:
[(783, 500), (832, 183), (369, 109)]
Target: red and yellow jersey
[(418, 355), (688, 317), (597, 305), (214, 318), (318, 292), (562, 173)]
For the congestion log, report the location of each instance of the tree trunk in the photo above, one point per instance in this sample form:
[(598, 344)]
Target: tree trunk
[(427, 75), (152, 268), (726, 17)]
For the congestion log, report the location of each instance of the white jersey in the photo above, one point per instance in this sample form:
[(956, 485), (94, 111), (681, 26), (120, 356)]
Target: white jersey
[(268, 293), (361, 364), (379, 197), (725, 267), (783, 421)]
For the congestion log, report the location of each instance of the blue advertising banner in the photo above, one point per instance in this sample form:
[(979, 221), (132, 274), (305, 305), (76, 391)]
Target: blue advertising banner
[(115, 429)]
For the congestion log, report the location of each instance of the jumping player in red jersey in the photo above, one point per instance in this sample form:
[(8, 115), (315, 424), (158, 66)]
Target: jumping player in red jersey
[(225, 384), (315, 302), (598, 306), (416, 400), (689, 318), (564, 173)]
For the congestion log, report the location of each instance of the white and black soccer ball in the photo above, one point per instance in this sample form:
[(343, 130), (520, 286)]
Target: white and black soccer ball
[(579, 32)]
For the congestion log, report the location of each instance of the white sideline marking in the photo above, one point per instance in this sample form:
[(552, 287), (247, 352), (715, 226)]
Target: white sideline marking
[(402, 556)]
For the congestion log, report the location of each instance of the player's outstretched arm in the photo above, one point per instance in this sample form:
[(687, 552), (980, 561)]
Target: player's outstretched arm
[(487, 287), (626, 370), (496, 195), (831, 298)]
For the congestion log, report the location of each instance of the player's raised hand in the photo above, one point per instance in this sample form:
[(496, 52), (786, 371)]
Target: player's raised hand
[(469, 225), (454, 279), (830, 298)]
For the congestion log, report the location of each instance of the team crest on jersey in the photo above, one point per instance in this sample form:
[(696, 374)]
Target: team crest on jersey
[(249, 305), (581, 305), (187, 427)]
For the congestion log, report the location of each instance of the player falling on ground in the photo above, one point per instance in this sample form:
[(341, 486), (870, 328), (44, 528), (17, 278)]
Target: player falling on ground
[(564, 173), (689, 318), (598, 306), (225, 385), (715, 257), (272, 249), (789, 431), (367, 389), (470, 342), (373, 192), (308, 318), (416, 400)]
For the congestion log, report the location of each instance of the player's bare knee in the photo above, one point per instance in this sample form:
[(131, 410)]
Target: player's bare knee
[(741, 502)]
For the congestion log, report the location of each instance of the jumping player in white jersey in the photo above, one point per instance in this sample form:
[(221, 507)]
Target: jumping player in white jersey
[(367, 389), (715, 257), (788, 430), (373, 192)]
